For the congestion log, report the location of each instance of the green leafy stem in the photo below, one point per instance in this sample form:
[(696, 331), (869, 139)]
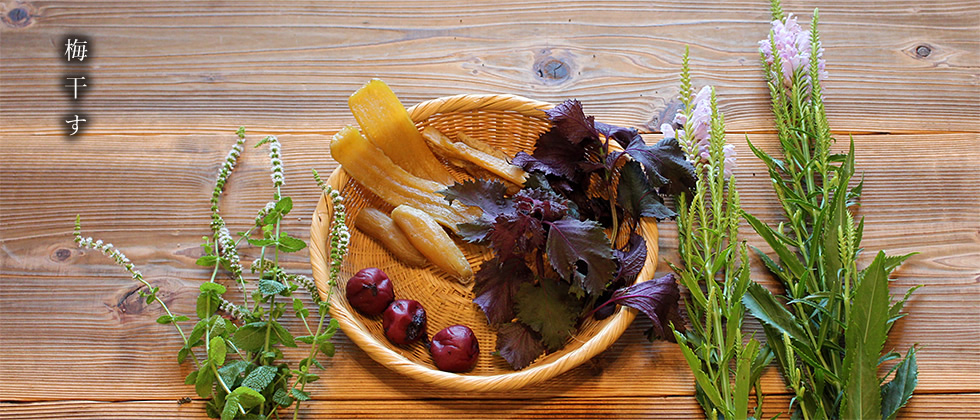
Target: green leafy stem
[(829, 333), (253, 385)]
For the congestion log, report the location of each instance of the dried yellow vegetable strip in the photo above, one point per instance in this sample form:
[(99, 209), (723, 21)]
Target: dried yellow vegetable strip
[(386, 123), (462, 151), (480, 145), (376, 224), (433, 242), (367, 164)]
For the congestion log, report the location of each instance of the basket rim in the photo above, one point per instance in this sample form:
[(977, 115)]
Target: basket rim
[(610, 330)]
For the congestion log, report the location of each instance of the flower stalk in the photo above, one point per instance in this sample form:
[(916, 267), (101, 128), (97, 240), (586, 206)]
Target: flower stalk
[(714, 264), (829, 336)]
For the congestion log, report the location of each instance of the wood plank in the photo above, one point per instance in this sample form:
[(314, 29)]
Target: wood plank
[(932, 406), (101, 331), (148, 195), (167, 177), (290, 65)]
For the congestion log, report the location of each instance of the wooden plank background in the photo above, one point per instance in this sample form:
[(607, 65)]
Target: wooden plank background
[(169, 82)]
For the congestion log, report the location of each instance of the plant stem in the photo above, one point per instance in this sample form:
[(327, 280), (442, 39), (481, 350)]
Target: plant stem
[(272, 298), (197, 363), (207, 337), (720, 347), (242, 280), (314, 349)]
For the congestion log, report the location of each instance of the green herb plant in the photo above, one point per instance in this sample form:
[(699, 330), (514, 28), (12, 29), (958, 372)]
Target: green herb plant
[(829, 333), (236, 348), (714, 268)]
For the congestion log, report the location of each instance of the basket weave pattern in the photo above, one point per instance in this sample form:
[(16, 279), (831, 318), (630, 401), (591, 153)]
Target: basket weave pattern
[(510, 123)]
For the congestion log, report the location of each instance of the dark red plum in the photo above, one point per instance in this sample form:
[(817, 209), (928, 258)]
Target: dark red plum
[(455, 349), (370, 291), (404, 321)]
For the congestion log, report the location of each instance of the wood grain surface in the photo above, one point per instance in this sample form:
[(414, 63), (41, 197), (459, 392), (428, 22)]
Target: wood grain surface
[(666, 408), (171, 81)]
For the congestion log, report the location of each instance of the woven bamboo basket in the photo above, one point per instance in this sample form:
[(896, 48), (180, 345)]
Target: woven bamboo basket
[(510, 123)]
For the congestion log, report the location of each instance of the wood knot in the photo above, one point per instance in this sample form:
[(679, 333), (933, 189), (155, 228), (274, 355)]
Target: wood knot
[(923, 51), (18, 17), (551, 70), (129, 301), (61, 254)]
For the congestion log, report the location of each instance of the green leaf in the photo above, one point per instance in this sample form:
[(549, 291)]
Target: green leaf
[(332, 326), (251, 336), (212, 288), (896, 309), (691, 283), (764, 306), (260, 378), (773, 164), (762, 359), (207, 261), (290, 244), (198, 331), (701, 378), (284, 205), (282, 398), (743, 378), (207, 304), (772, 266), (300, 395), (786, 257), (301, 311), (218, 325), (204, 381), (307, 339), (892, 262), (317, 364), (328, 349), (164, 319), (836, 212), (231, 372), (261, 242), (325, 337), (864, 340), (305, 363), (270, 287), (182, 355), (191, 378), (284, 336), (247, 397), (217, 351), (230, 409), (549, 310), (896, 393), (887, 357)]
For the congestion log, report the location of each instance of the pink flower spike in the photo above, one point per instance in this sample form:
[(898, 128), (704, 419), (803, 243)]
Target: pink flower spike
[(729, 163), (793, 47)]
